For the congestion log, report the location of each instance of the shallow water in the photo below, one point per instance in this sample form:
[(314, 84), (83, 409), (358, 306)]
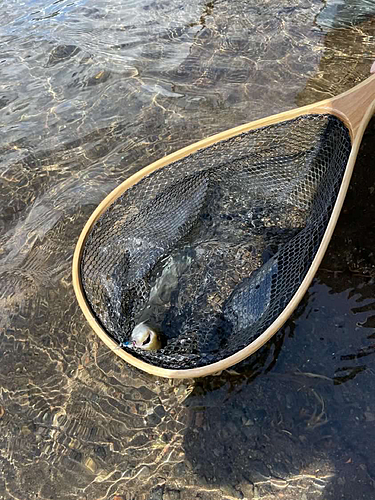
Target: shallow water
[(91, 92)]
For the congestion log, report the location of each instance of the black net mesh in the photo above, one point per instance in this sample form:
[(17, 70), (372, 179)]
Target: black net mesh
[(210, 249)]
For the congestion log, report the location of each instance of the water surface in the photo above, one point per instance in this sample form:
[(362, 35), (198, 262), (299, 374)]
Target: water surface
[(90, 93)]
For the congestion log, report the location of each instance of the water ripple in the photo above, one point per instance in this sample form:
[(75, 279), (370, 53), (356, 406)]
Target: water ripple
[(90, 93)]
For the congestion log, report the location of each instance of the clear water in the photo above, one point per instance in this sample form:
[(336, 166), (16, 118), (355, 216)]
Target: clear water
[(90, 92)]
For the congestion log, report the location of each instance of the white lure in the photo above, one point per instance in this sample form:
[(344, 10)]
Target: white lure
[(144, 337)]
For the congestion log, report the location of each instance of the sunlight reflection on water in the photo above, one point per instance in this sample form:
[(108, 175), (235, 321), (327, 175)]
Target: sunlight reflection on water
[(90, 93)]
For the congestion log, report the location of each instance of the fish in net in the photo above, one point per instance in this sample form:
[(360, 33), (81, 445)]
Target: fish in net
[(211, 248)]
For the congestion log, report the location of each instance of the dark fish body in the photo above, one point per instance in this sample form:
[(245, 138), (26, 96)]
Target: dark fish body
[(155, 230), (250, 300)]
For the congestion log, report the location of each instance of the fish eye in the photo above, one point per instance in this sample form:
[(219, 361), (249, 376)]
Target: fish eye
[(148, 338)]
